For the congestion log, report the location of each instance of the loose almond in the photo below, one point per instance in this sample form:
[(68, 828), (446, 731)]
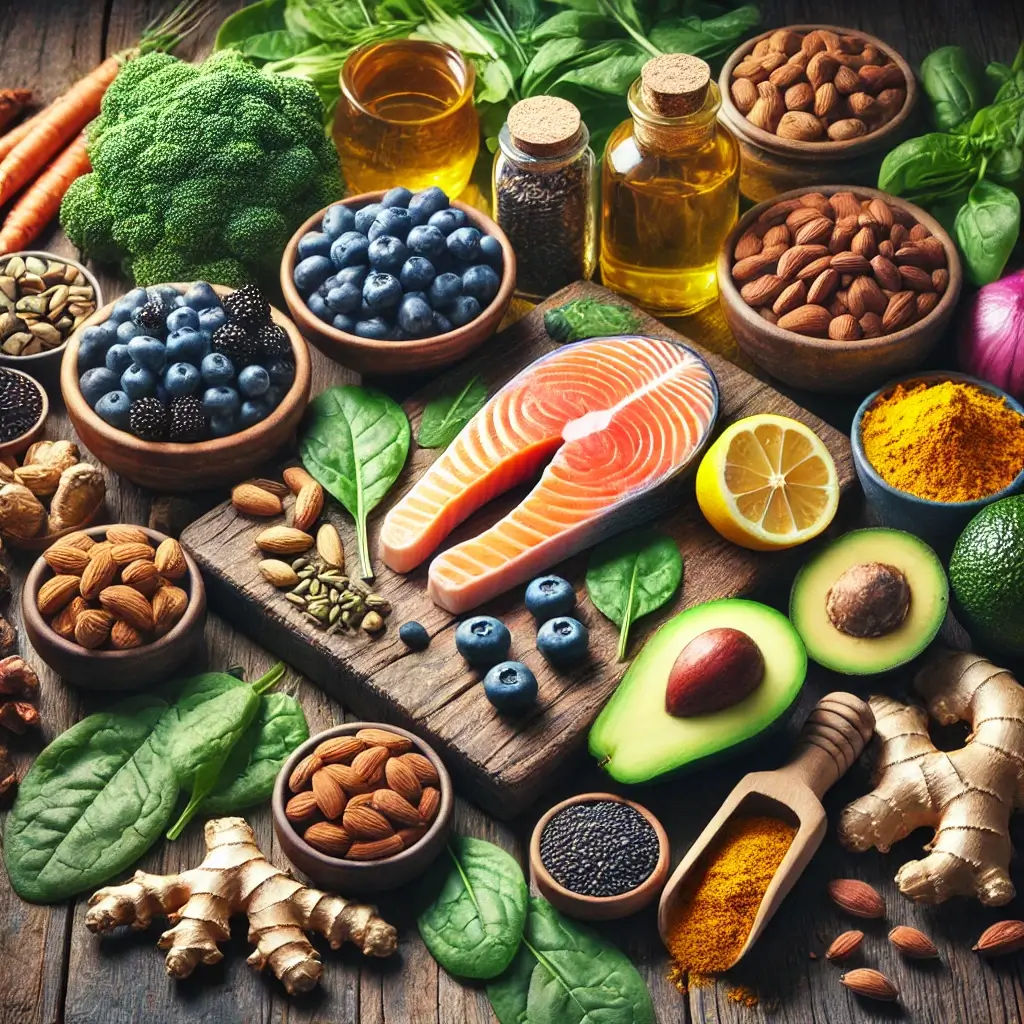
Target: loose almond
[(339, 749), (870, 984), (899, 312), (856, 897), (330, 797), (382, 738), (821, 68), (369, 763), (844, 946), (301, 807), (284, 540), (744, 94), (799, 126), (886, 273), (794, 260), (395, 808), (277, 573), (273, 486), (170, 559), (763, 290), (751, 267), (846, 81), (826, 99), (251, 500), (411, 836), (55, 593), (123, 636), (913, 943), (295, 478), (863, 243), (304, 772), (92, 628), (169, 605), (363, 822), (799, 97), (822, 287), (99, 573), (793, 295), (376, 850), (308, 504), (328, 838), (329, 546), (749, 244), (1001, 938)]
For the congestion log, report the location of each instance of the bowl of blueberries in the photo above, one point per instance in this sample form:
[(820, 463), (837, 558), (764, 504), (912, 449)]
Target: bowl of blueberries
[(394, 282), (186, 386)]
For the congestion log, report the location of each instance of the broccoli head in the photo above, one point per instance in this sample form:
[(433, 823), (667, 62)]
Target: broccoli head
[(201, 172)]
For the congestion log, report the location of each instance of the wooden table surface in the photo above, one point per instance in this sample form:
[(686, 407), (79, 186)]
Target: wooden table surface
[(53, 969)]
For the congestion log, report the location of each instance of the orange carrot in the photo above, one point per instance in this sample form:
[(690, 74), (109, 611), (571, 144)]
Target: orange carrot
[(16, 134), (39, 204)]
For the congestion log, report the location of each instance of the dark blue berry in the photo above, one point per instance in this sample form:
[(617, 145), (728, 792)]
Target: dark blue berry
[(447, 221), (511, 686), (482, 640), (550, 596), (115, 408), (387, 253), (429, 201), (415, 316), (345, 298), (97, 382), (118, 359), (465, 309), (308, 274), (375, 328), (397, 196), (414, 635), (563, 641), (337, 220), (348, 250), (391, 221), (490, 251), (314, 243), (464, 244), (381, 291), (365, 217), (444, 290), (426, 241), (417, 274), (481, 282)]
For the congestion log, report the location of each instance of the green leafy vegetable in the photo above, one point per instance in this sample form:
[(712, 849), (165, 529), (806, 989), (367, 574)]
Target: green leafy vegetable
[(356, 443), (987, 228), (588, 318), (953, 82), (632, 575), (445, 416), (475, 908), (930, 167)]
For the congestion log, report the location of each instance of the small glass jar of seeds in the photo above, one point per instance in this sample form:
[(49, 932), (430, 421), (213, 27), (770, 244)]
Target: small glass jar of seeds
[(544, 195)]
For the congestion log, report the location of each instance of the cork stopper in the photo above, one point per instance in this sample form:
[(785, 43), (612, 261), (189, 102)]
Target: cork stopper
[(544, 125), (674, 84)]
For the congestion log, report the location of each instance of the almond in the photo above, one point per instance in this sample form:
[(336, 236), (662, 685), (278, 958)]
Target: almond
[(810, 320), (899, 312), (369, 763), (744, 94), (847, 128), (784, 40), (329, 546), (776, 214), (128, 604), (364, 822), (396, 808), (887, 249), (122, 554), (251, 500), (934, 252), (795, 259), (376, 850), (284, 540), (170, 559), (813, 42), (328, 838), (863, 243), (308, 504), (752, 267), (772, 60), (913, 943), (870, 984), (856, 897), (348, 778), (55, 593), (846, 81), (422, 766), (123, 637), (786, 75), (899, 235), (926, 302), (767, 314), (329, 795), (751, 69), (800, 216), (915, 278), (800, 126), (295, 478), (871, 325), (99, 573), (777, 235), (844, 946), (822, 287), (303, 772), (875, 78), (821, 68), (98, 550), (169, 604), (814, 268), (1001, 938), (850, 263), (76, 539), (891, 101), (845, 204), (277, 573), (826, 100), (885, 273), (940, 280), (844, 328), (121, 534), (917, 232), (273, 486), (66, 561), (403, 780), (92, 627), (429, 803), (799, 97), (338, 749), (864, 296), (748, 244), (142, 575), (63, 623), (382, 738), (411, 836), (762, 290), (793, 295), (363, 799), (301, 807)]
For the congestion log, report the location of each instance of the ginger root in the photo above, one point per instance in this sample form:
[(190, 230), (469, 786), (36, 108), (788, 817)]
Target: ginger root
[(236, 877), (967, 795)]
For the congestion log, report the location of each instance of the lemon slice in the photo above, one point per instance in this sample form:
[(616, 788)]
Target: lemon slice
[(768, 483)]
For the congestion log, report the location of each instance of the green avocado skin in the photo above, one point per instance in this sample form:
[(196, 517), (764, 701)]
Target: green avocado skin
[(986, 572)]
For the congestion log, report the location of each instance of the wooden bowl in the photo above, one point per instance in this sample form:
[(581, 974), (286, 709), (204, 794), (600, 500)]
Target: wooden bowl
[(20, 444), (167, 466), (598, 908), (769, 165), (134, 669), (393, 358), (820, 364), (349, 876)]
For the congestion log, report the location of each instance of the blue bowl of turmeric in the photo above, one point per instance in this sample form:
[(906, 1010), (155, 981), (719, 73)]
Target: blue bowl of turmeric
[(933, 449)]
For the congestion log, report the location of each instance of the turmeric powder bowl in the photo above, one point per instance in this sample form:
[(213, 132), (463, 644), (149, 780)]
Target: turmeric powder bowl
[(937, 434)]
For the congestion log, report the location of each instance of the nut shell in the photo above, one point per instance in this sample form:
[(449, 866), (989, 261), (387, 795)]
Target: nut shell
[(80, 493)]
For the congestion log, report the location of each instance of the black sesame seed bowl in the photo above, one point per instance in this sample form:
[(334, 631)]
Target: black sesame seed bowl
[(178, 466), (597, 857), (23, 411)]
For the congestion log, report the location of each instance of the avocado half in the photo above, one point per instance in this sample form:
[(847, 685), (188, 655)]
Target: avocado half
[(850, 655), (636, 740)]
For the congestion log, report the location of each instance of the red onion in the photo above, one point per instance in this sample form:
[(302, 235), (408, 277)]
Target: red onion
[(991, 342)]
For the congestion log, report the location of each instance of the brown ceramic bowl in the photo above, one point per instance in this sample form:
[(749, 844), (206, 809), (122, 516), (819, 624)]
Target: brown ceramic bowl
[(598, 908), (349, 876), (134, 669), (820, 364), (166, 466), (769, 164), (393, 358), (17, 445)]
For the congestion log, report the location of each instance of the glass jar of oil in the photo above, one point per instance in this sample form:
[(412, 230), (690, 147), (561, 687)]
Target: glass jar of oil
[(669, 189), (406, 117)]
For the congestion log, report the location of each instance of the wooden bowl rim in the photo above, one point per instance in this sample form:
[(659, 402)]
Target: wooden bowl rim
[(20, 443), (314, 325), (78, 407), (757, 324), (794, 148), (857, 441), (655, 880), (194, 610), (323, 860)]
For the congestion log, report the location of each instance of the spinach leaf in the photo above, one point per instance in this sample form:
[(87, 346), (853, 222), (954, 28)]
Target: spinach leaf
[(509, 992), (710, 38), (572, 25), (632, 575), (1006, 166), (930, 167), (475, 908), (987, 228), (588, 318), (444, 417), (356, 443), (952, 81), (256, 19)]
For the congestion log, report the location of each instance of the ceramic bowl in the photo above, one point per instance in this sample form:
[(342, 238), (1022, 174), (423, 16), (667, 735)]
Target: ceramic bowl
[(937, 522), (17, 445), (134, 669), (393, 358), (598, 908), (167, 466), (820, 364), (769, 164), (351, 876)]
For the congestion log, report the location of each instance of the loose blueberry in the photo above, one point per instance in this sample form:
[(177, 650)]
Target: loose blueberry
[(221, 401), (381, 291), (126, 330), (150, 353), (95, 383), (252, 412), (282, 373), (391, 221), (344, 322), (374, 328), (511, 686), (337, 220), (201, 296), (490, 252), (417, 274), (397, 196), (465, 309), (114, 408), (415, 315), (181, 379), (314, 243), (550, 596), (216, 369), (319, 309), (387, 253), (118, 359), (426, 241), (186, 345), (311, 271), (481, 282), (211, 318), (428, 202), (482, 640), (345, 298), (186, 316), (444, 290), (414, 635), (366, 216), (464, 244), (349, 250), (253, 381), (138, 382), (447, 221), (563, 641)]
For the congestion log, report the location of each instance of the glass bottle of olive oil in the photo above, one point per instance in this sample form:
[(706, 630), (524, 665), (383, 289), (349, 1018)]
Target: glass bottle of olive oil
[(669, 189)]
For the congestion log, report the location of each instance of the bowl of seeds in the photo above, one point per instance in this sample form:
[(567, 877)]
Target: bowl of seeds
[(597, 856), (23, 411)]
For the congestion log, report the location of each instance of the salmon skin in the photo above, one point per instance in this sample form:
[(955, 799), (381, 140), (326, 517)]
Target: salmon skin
[(615, 419)]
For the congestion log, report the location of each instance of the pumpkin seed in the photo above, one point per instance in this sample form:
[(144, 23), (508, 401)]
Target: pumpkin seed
[(299, 602)]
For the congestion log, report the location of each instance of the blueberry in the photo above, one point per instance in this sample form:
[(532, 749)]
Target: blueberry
[(201, 296), (415, 316), (211, 318), (447, 221), (414, 635), (121, 312), (222, 426), (114, 408), (442, 325), (344, 323), (118, 359), (273, 395), (391, 221), (563, 641), (92, 352), (136, 297), (310, 272), (366, 216), (352, 275), (511, 686), (490, 251), (252, 412), (374, 328), (426, 241), (186, 316), (282, 373), (138, 382), (387, 253), (126, 331), (102, 336), (181, 379), (337, 220), (253, 381), (216, 369), (220, 401), (417, 295), (95, 383), (416, 274), (165, 293), (381, 291), (465, 309), (464, 244), (397, 196), (482, 641), (349, 250), (186, 345), (429, 201), (550, 596), (314, 243), (482, 283), (345, 298), (319, 309), (148, 352), (444, 290)]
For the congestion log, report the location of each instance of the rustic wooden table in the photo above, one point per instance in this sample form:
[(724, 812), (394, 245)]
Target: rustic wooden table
[(53, 969)]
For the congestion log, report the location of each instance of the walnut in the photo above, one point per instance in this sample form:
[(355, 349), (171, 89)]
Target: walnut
[(22, 514), (80, 493), (58, 455)]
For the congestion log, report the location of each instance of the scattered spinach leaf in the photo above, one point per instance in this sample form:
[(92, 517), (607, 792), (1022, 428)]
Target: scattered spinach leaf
[(445, 416), (588, 318), (987, 228), (952, 81)]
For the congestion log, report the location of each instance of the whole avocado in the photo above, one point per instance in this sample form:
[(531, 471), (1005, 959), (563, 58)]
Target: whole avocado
[(986, 572)]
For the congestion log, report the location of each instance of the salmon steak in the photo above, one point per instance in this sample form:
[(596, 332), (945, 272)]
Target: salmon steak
[(612, 421)]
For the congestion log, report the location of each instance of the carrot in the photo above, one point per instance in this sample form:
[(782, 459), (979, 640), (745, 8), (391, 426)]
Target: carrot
[(39, 204), (15, 135)]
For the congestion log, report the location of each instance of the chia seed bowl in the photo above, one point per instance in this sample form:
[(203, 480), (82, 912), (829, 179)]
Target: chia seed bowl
[(22, 383)]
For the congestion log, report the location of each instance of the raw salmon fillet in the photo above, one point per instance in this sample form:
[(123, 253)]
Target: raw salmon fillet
[(618, 418)]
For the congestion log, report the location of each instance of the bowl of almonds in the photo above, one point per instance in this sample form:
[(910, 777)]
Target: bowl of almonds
[(812, 104), (114, 607), (838, 288), (363, 807)]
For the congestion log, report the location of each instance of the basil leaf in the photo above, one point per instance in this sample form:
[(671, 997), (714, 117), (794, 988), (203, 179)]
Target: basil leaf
[(930, 167), (987, 228), (356, 443), (1006, 166), (472, 924), (632, 575), (952, 81), (444, 417)]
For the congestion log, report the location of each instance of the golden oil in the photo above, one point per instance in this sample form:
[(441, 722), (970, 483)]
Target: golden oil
[(669, 190), (406, 117)]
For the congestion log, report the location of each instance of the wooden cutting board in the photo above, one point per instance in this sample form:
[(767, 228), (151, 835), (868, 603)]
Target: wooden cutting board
[(501, 763)]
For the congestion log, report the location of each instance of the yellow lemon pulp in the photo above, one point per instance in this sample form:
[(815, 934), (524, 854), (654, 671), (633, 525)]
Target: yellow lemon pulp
[(768, 482)]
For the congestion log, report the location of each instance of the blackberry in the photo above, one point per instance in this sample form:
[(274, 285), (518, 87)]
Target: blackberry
[(187, 420), (151, 317), (235, 342), (275, 342), (248, 307), (148, 419)]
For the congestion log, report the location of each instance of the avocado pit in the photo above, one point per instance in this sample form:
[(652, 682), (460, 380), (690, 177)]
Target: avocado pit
[(715, 670), (868, 600)]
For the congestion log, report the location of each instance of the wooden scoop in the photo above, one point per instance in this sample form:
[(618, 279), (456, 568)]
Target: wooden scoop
[(831, 740)]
